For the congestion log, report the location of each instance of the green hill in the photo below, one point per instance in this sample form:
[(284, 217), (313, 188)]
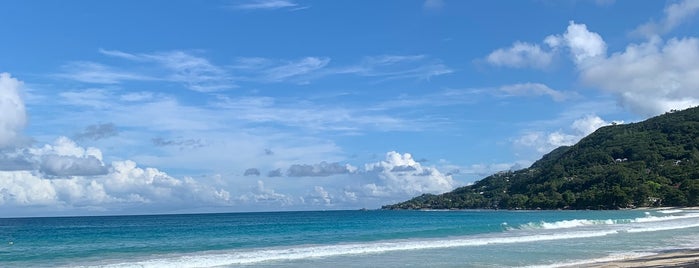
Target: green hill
[(650, 163)]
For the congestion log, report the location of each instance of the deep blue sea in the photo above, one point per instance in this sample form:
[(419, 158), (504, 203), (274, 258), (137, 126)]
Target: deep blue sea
[(346, 238)]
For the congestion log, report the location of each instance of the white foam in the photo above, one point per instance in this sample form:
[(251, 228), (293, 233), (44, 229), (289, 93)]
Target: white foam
[(212, 259), (559, 230), (667, 218), (670, 211), (662, 228), (564, 224)]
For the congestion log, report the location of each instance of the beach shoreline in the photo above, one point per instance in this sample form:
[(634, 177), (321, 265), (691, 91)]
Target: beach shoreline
[(670, 258)]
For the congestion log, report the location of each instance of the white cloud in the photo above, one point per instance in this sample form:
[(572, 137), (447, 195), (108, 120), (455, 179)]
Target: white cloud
[(302, 71), (648, 78), (58, 165), (194, 72), (92, 97), (674, 15), (73, 178), (544, 142), (295, 70), (321, 196), (535, 89), (433, 4), (12, 112), (314, 117), (137, 96), (96, 73), (400, 174), (521, 55), (391, 67), (583, 44), (588, 124), (262, 194), (266, 5), (651, 77)]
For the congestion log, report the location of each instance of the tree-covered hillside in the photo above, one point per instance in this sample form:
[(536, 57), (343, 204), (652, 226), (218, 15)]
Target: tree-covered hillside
[(650, 163)]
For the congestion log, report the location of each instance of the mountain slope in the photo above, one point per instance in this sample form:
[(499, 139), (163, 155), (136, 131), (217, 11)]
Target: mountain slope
[(650, 163)]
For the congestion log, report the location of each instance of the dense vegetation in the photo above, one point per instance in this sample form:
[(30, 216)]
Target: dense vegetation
[(651, 163)]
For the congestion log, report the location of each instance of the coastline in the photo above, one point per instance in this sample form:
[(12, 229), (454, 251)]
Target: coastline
[(672, 258)]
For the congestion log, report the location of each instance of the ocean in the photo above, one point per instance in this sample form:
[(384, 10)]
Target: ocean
[(374, 238)]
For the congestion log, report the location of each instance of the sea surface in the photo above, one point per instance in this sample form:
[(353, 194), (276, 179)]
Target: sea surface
[(347, 239)]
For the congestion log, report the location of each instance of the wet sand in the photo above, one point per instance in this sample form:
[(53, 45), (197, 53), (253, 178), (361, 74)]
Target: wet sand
[(683, 258)]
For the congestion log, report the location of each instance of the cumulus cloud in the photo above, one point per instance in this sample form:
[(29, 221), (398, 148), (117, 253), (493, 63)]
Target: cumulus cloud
[(544, 142), (11, 160), (651, 77), (12, 112), (320, 196), (68, 177), (262, 194), (582, 43), (400, 174), (521, 55), (322, 169), (673, 15), (72, 166), (648, 78), (97, 132)]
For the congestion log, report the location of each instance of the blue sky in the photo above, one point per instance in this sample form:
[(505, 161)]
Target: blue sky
[(121, 107)]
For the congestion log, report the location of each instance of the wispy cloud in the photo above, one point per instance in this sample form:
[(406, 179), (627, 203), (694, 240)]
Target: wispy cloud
[(313, 116), (194, 72), (535, 89), (305, 70), (389, 67), (433, 4), (296, 69), (96, 73), (674, 15), (521, 55), (268, 5), (545, 141), (199, 74)]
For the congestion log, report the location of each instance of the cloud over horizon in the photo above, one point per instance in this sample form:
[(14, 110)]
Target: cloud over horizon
[(648, 78), (12, 111), (66, 178)]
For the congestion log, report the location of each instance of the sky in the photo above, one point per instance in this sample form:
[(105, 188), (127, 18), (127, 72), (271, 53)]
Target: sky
[(143, 107)]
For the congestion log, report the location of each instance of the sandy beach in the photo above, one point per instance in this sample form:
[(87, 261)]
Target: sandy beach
[(684, 258)]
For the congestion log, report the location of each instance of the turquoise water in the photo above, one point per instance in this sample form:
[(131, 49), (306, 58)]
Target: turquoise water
[(346, 238)]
